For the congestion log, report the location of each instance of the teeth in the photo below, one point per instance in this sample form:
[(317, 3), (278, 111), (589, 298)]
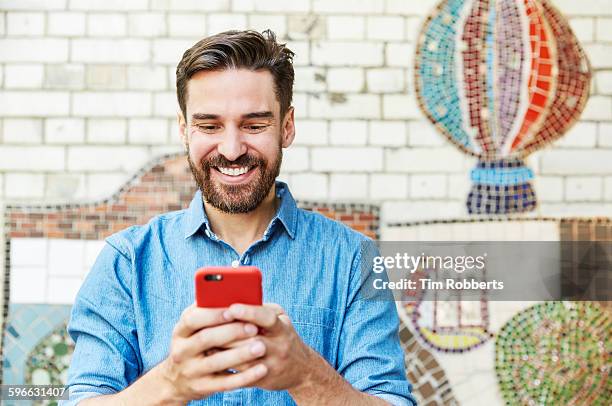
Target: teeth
[(234, 171)]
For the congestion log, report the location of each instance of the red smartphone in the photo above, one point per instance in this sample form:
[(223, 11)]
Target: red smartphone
[(222, 286)]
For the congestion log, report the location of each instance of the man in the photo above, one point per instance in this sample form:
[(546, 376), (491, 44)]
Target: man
[(139, 337)]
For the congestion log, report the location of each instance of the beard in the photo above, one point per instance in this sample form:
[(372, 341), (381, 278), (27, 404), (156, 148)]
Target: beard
[(230, 198)]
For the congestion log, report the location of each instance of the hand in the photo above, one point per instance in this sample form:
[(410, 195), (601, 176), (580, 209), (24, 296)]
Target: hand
[(190, 374), (287, 358)]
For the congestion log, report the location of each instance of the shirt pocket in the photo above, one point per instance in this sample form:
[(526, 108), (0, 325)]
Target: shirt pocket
[(316, 326)]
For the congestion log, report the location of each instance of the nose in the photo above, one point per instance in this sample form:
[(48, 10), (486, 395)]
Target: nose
[(232, 146)]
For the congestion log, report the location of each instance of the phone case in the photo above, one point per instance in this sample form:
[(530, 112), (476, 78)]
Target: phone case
[(224, 286)]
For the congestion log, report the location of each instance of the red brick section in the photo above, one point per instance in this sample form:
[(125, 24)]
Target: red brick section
[(165, 186)]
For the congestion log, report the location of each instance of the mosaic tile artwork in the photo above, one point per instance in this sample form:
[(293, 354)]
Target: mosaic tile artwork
[(500, 79), (556, 353)]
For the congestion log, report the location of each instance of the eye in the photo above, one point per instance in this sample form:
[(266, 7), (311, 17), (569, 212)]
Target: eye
[(208, 128), (255, 128)]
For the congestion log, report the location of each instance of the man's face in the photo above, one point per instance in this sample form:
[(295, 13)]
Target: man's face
[(235, 136)]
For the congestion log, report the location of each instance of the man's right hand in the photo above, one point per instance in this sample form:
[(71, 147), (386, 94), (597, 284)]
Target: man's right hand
[(188, 374)]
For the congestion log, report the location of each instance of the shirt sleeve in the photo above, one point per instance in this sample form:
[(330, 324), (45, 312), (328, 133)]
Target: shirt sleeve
[(370, 356), (106, 357)]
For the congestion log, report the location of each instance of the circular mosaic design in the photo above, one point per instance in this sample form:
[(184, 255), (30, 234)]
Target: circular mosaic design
[(556, 353), (49, 360)]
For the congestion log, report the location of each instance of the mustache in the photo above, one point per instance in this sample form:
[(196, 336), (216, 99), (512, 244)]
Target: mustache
[(243, 160)]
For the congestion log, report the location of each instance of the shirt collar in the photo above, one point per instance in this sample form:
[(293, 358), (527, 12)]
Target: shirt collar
[(286, 213)]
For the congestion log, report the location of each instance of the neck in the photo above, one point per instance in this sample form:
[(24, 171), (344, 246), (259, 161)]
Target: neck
[(240, 230)]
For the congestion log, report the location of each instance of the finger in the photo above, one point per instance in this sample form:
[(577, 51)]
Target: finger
[(238, 343), (223, 383), (278, 309), (195, 318), (212, 337), (285, 319), (259, 315), (224, 360)]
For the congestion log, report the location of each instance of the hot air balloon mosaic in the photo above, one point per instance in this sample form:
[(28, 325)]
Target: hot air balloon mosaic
[(500, 79)]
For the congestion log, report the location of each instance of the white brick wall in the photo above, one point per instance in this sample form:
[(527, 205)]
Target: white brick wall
[(87, 96)]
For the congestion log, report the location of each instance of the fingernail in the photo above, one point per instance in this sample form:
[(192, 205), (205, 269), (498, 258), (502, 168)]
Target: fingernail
[(250, 329), (257, 348)]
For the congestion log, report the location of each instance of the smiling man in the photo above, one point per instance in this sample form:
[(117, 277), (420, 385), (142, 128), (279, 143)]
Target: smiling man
[(139, 337)]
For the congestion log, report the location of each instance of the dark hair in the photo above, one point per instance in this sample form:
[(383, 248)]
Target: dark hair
[(239, 49)]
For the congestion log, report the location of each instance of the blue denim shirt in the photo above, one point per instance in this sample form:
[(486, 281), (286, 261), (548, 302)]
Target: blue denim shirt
[(124, 314)]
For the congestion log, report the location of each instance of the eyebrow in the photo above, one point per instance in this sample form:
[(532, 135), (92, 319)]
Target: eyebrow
[(257, 114)]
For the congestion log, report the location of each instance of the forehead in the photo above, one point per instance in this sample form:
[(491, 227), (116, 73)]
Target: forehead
[(231, 92)]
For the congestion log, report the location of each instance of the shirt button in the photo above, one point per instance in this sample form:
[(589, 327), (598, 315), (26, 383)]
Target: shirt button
[(235, 263)]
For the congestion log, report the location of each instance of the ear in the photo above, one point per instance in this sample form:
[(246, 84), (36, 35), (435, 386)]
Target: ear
[(182, 124), (288, 128)]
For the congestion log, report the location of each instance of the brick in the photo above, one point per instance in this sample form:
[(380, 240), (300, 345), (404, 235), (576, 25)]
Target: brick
[(347, 54), (600, 55), (386, 80), (300, 105), (420, 160), (110, 51), (387, 133), (31, 158), (385, 28), (108, 5), (187, 25), (302, 52), (165, 105), (243, 5), (603, 81), (21, 103), (36, 5), (409, 7), (549, 188), (582, 135), (344, 106), (22, 131), (348, 132), (43, 50), (23, 76), (608, 188), (147, 25), (285, 6), (64, 76), (106, 131), (190, 5), (604, 31), (598, 108), (310, 132), (348, 6), (388, 186), (67, 24), (111, 104), (223, 22), (334, 159), (413, 28), (103, 185), (605, 135), (309, 79), (399, 55), (296, 159), (345, 27), (405, 211), (583, 189), (576, 162), (148, 131), (106, 25), (146, 77), (25, 24), (2, 24), (64, 131), (22, 185), (400, 106), (65, 186), (309, 186), (276, 23), (106, 159), (459, 186), (428, 186), (306, 26), (424, 134), (170, 51), (345, 80), (106, 77), (585, 8), (348, 186), (584, 28)]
